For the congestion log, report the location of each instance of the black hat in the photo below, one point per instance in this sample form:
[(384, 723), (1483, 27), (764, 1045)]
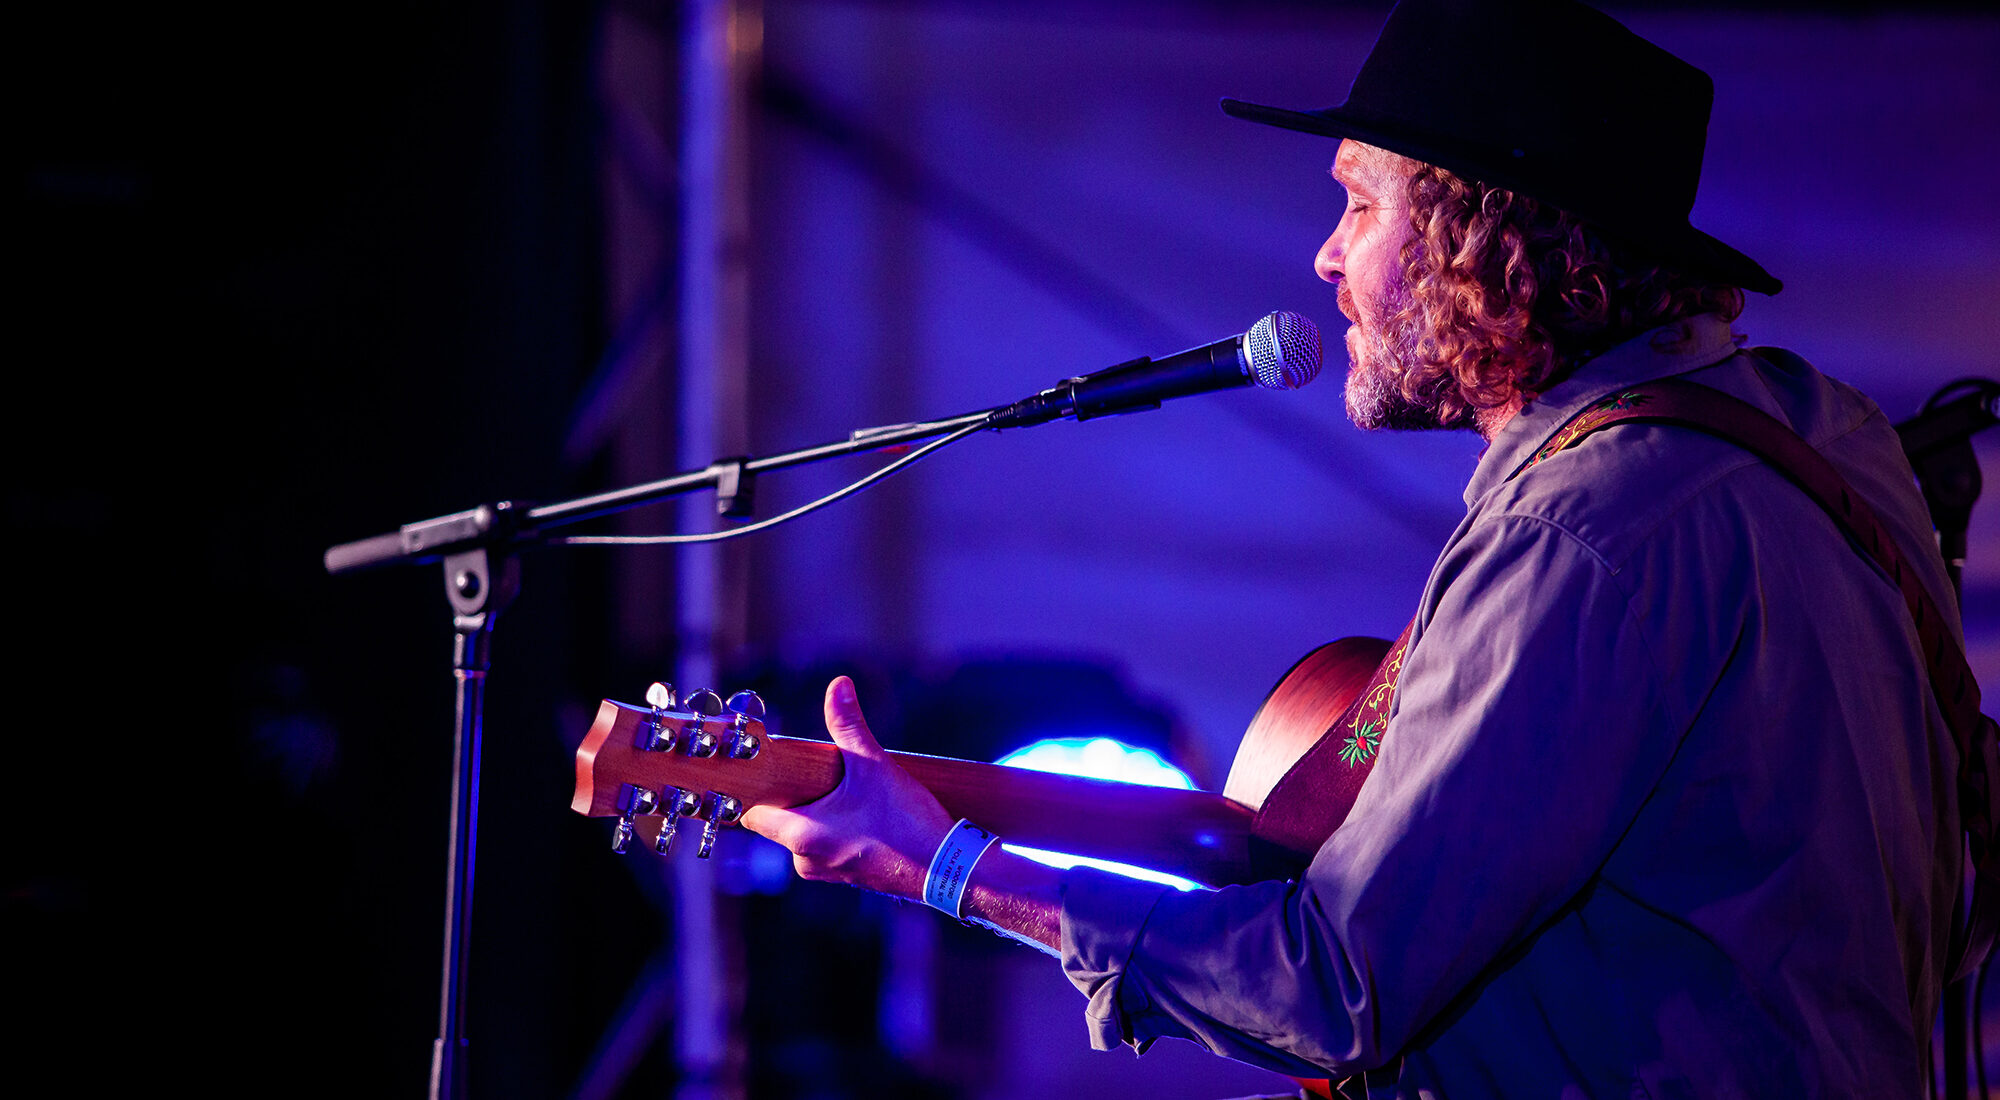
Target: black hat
[(1548, 98)]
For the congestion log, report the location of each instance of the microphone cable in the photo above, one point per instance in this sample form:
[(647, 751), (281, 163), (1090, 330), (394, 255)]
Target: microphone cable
[(765, 524)]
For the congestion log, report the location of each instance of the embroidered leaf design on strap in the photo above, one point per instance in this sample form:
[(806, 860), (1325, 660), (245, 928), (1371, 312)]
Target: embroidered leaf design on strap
[(1361, 744)]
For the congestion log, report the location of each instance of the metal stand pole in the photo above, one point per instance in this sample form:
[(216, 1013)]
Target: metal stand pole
[(479, 584)]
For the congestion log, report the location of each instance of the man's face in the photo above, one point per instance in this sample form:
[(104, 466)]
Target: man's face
[(1362, 259)]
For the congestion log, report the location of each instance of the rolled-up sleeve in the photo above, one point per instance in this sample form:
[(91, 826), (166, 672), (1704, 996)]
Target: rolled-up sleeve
[(1100, 915), (1530, 727)]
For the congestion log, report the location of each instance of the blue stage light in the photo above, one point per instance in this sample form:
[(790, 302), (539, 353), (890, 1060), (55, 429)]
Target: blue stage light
[(1099, 758)]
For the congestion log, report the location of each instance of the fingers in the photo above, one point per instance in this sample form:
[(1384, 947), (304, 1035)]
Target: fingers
[(816, 851), (769, 822), (841, 849), (845, 722)]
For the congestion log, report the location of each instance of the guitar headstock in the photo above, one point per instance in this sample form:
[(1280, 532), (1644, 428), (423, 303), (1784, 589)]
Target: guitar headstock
[(655, 766)]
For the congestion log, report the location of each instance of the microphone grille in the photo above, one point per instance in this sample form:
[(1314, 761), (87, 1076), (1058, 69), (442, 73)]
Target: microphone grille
[(1283, 351)]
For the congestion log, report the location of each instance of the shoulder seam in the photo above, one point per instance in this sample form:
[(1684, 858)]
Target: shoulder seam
[(1729, 468)]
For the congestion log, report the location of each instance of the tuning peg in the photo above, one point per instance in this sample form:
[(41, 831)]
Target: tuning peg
[(746, 704), (632, 801), (722, 810), (701, 741), (654, 734), (679, 803)]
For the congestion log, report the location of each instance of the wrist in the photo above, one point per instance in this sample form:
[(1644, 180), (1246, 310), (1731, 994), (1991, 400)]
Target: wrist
[(951, 867), (1018, 898)]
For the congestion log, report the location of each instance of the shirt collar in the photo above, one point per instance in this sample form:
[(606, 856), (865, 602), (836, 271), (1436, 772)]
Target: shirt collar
[(1685, 345)]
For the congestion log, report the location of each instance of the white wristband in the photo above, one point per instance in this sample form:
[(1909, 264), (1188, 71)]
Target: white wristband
[(944, 882)]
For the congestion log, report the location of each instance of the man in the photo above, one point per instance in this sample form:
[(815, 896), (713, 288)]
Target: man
[(1666, 806)]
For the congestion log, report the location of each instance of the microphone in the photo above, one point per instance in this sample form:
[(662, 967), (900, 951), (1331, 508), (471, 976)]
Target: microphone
[(1280, 352)]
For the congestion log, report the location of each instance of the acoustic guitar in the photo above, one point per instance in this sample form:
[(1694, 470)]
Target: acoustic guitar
[(677, 766)]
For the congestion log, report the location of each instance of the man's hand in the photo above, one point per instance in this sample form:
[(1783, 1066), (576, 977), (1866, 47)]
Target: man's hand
[(877, 830)]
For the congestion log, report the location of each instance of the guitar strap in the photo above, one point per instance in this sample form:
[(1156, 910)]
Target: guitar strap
[(1314, 797), (1310, 801), (1675, 401)]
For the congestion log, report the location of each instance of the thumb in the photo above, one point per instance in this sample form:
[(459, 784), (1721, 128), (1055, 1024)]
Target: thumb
[(845, 722)]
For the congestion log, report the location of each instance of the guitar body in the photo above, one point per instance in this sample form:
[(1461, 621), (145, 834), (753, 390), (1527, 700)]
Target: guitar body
[(1196, 834), (1303, 706)]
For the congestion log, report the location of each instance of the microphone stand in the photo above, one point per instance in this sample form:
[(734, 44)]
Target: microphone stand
[(1938, 442), (480, 548)]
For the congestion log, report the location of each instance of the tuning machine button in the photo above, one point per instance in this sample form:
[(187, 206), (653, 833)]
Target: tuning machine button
[(679, 803), (632, 801), (704, 702), (745, 705), (655, 735), (702, 741), (722, 810)]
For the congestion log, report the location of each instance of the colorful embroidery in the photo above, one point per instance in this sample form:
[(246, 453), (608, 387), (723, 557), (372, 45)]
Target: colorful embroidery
[(1361, 744), (1364, 739), (1587, 421)]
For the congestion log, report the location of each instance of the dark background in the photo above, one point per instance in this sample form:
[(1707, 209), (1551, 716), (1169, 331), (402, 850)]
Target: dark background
[(282, 279)]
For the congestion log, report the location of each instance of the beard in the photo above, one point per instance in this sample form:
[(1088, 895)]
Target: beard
[(1381, 353)]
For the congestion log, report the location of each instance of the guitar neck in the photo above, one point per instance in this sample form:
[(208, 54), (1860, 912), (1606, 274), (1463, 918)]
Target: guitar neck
[(1194, 834), (650, 759)]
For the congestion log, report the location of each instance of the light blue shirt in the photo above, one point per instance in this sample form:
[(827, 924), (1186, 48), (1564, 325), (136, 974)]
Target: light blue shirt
[(1665, 809)]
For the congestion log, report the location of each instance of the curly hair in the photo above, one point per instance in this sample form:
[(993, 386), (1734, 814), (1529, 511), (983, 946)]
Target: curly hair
[(1508, 295)]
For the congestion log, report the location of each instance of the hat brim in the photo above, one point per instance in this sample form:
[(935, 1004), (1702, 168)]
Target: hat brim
[(1682, 244)]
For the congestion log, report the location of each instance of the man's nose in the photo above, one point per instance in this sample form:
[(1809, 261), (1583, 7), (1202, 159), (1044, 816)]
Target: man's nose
[(1327, 265)]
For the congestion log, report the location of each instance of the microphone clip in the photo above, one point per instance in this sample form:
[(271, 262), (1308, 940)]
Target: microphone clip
[(1066, 399)]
